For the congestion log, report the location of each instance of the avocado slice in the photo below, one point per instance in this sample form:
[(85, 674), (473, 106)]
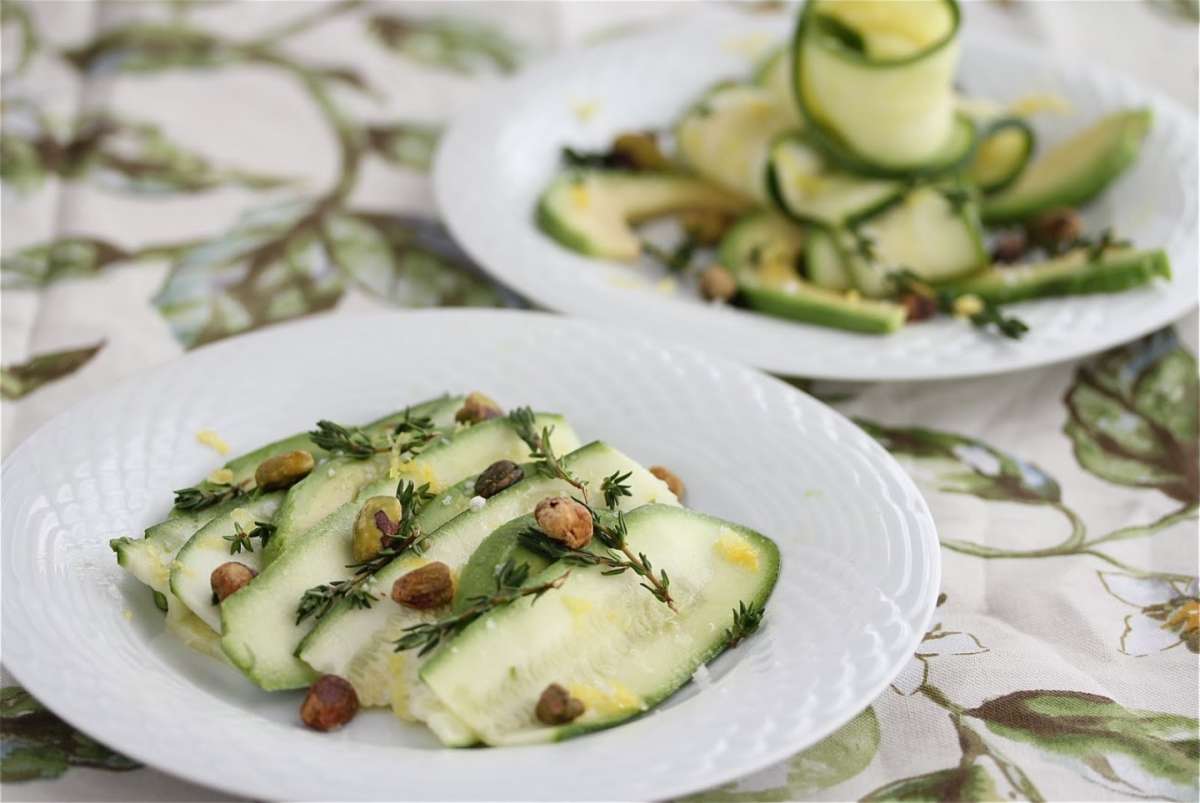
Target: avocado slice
[(1073, 172), (762, 251), (593, 211)]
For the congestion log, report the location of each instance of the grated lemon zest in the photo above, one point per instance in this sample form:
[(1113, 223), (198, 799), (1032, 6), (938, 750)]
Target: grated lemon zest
[(735, 549), (212, 440), (222, 476), (618, 700)]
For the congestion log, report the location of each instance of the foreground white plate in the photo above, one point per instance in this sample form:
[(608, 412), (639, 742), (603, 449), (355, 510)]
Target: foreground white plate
[(860, 556), (496, 159)]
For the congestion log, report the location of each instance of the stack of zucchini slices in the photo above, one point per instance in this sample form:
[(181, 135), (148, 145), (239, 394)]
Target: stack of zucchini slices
[(265, 565), (858, 177)]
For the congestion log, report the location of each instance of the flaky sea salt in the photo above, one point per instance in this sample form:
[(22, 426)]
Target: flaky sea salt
[(477, 502), (701, 677)]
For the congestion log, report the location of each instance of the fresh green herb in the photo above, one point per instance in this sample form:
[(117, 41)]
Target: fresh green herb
[(615, 486), (318, 600), (675, 259), (244, 540), (546, 462), (906, 281), (746, 619), (510, 578), (207, 494), (405, 535), (1105, 241), (618, 559), (414, 433), (350, 441), (864, 246), (1008, 326)]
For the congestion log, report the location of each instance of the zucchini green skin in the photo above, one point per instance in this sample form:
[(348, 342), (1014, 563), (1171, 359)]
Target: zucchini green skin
[(779, 197), (800, 300), (957, 151), (1118, 151), (1070, 275), (812, 304), (1015, 169)]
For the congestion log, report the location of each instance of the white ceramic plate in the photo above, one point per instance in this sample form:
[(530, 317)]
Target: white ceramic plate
[(496, 159), (860, 556)]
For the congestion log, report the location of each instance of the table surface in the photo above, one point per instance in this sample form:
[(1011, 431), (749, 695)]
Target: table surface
[(160, 158)]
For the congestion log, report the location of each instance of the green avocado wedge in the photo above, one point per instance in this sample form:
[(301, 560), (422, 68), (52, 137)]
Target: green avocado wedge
[(594, 211), (1072, 274), (762, 251), (1073, 172)]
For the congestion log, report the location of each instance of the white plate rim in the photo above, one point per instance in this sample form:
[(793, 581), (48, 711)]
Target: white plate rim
[(925, 531)]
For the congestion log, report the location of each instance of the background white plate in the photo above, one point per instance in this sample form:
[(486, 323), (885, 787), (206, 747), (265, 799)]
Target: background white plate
[(494, 162), (860, 556)]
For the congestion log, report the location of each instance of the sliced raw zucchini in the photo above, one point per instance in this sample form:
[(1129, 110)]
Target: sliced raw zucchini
[(208, 548), (594, 211), (934, 232), (763, 251), (805, 188), (1004, 147), (1075, 171), (1074, 273), (727, 137), (584, 634), (873, 80), (357, 644), (260, 632), (774, 74), (149, 558)]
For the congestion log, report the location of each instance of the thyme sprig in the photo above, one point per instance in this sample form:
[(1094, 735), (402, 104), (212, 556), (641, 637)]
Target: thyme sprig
[(1012, 327), (413, 433), (404, 534), (241, 539), (618, 559), (615, 486), (349, 441), (546, 462), (510, 577), (674, 259), (207, 494), (746, 619)]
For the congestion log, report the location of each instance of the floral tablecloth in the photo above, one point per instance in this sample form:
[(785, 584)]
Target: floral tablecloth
[(177, 172)]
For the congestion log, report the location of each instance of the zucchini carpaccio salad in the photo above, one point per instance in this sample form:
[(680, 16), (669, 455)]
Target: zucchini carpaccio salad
[(848, 183), (484, 573)]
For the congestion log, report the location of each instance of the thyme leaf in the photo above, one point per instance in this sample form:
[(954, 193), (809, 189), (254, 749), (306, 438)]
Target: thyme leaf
[(207, 494), (746, 619), (244, 540)]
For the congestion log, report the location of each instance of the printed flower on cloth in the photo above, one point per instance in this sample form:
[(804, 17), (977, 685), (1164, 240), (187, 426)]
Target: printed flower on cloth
[(937, 642), (1168, 612)]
